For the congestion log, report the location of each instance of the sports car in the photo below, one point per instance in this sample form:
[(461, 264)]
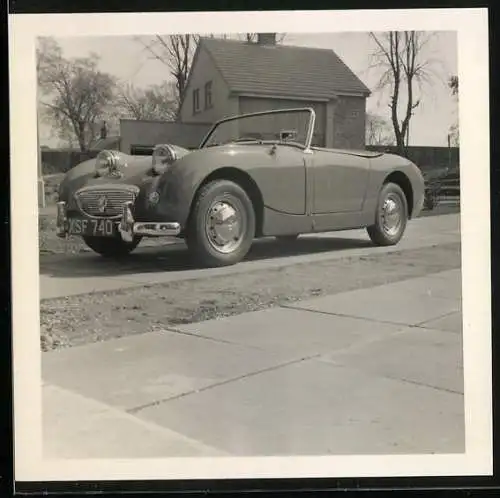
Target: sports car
[(254, 175)]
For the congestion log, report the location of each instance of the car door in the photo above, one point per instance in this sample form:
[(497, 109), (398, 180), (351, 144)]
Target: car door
[(339, 181), (280, 173)]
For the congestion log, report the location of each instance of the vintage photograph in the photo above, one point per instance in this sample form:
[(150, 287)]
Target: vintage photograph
[(251, 245)]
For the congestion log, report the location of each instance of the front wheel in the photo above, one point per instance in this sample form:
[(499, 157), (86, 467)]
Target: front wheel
[(391, 218), (111, 247), (222, 224)]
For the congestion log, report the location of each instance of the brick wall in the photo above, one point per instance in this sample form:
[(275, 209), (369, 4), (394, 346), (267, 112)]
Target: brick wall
[(349, 123)]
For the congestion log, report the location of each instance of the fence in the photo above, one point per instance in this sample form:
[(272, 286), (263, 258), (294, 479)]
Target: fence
[(62, 160), (426, 158)]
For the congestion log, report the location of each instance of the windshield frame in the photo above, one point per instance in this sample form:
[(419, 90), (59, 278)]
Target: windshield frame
[(310, 127)]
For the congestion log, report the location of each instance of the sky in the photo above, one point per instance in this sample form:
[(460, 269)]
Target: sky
[(125, 58)]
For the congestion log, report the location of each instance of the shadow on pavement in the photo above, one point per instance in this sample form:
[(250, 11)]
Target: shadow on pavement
[(175, 257)]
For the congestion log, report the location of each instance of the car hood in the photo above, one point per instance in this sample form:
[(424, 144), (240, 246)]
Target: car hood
[(134, 170)]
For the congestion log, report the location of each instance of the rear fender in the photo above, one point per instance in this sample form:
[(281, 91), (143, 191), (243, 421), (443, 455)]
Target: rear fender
[(390, 166)]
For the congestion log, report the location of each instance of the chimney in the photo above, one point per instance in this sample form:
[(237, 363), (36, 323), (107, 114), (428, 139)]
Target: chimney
[(104, 130), (266, 38)]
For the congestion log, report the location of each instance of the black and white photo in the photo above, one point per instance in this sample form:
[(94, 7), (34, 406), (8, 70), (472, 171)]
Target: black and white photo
[(251, 254)]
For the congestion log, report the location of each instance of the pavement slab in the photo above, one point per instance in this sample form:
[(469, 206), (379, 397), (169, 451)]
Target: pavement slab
[(445, 285), (142, 369), (316, 408), (400, 302), (78, 427), (421, 356), (449, 323), (291, 332)]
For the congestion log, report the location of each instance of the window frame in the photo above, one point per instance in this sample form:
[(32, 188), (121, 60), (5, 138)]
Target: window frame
[(208, 92), (196, 101)]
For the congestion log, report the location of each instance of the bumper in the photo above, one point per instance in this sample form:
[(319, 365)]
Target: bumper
[(127, 226)]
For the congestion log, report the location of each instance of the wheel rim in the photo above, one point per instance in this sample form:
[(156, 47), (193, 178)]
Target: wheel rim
[(392, 215), (225, 225)]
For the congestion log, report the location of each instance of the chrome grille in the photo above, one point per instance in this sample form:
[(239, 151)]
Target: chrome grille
[(104, 203)]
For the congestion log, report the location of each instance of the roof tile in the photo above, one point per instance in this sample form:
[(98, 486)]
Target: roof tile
[(282, 69)]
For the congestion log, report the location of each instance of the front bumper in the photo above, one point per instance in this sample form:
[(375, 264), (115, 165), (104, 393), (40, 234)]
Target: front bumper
[(127, 226)]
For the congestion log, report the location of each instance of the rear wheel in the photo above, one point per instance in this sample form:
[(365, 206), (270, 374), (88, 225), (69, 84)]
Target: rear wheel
[(222, 224), (111, 247), (391, 218)]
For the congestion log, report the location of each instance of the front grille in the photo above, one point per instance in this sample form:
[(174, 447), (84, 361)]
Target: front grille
[(104, 203)]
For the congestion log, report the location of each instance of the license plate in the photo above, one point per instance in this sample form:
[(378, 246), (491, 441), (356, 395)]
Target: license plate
[(93, 227)]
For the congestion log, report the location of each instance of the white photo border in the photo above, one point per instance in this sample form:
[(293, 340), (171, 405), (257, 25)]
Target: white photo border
[(471, 26)]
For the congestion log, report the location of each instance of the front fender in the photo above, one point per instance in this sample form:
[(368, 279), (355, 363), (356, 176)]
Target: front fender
[(178, 185)]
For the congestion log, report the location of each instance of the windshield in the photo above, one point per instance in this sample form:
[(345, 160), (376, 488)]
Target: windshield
[(293, 126)]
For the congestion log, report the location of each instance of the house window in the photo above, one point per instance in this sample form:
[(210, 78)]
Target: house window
[(208, 95), (196, 101)]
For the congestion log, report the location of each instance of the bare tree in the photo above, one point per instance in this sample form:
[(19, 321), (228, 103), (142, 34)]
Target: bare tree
[(453, 84), (155, 102), (75, 93), (378, 131), (401, 57), (454, 129), (176, 52)]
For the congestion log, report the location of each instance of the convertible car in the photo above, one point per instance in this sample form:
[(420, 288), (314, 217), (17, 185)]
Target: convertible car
[(254, 175)]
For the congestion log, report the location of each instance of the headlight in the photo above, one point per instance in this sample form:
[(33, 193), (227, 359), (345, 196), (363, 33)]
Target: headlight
[(107, 162), (163, 155)]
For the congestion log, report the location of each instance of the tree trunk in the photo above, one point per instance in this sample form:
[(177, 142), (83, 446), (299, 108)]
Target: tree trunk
[(80, 135)]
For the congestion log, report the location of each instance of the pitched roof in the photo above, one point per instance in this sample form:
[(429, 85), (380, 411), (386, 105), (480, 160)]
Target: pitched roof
[(282, 69)]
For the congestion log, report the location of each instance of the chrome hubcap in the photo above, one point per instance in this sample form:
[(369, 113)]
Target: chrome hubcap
[(225, 226), (391, 215)]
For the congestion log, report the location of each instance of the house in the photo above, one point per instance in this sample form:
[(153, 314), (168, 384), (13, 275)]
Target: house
[(230, 77)]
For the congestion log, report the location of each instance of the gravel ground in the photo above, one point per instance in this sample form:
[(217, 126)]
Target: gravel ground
[(88, 318)]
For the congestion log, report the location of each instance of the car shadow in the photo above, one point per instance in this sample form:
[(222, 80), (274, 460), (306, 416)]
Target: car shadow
[(175, 257)]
